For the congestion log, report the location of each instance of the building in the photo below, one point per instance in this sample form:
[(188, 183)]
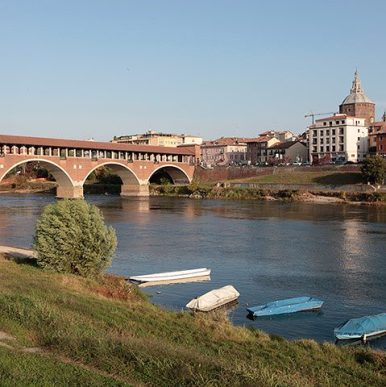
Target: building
[(357, 104), (377, 137), (287, 152), (152, 137), (282, 136), (338, 138), (224, 151), (257, 148)]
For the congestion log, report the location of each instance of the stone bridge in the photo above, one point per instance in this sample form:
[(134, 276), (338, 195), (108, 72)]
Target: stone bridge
[(70, 162)]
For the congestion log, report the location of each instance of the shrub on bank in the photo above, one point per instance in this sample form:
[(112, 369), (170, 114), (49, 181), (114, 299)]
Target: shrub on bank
[(288, 194), (374, 170), (71, 237)]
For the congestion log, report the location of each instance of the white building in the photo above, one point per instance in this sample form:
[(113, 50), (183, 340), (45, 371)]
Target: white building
[(152, 137), (338, 138)]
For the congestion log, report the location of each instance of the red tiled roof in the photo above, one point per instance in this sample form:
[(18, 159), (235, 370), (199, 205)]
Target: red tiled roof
[(284, 145), (337, 117), (267, 132), (81, 144), (259, 139), (226, 141)]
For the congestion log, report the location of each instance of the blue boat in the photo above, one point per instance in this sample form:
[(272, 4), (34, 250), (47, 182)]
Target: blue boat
[(362, 328), (289, 305)]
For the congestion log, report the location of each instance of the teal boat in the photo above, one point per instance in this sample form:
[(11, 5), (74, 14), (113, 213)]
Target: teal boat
[(289, 305), (362, 328)]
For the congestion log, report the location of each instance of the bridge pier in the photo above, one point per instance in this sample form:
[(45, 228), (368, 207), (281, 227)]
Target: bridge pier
[(135, 190), (68, 192)]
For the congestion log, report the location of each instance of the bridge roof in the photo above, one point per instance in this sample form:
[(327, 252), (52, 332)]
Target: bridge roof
[(90, 144)]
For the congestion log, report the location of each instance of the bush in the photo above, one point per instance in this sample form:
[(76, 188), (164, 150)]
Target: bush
[(71, 237), (374, 170)]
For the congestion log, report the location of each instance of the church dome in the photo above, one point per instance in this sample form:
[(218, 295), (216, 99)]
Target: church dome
[(357, 94)]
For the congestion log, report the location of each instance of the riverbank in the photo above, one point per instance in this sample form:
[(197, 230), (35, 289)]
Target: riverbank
[(249, 190), (61, 329), (201, 191), (23, 186)]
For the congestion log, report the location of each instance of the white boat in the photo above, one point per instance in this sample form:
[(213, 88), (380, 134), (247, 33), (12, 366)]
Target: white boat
[(214, 299), (171, 275)]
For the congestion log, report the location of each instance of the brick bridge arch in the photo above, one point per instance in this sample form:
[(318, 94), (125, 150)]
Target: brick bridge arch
[(61, 176), (72, 161), (177, 174)]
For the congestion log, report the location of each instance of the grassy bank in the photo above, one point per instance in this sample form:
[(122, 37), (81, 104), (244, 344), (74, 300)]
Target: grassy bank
[(201, 191), (102, 332), (27, 186), (282, 176)]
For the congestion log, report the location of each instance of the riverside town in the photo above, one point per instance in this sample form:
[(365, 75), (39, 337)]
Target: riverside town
[(192, 193)]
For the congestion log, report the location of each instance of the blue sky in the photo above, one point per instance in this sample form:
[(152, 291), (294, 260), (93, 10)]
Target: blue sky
[(91, 68)]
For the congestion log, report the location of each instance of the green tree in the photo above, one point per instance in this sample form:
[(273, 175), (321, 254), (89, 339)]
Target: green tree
[(71, 237), (374, 170)]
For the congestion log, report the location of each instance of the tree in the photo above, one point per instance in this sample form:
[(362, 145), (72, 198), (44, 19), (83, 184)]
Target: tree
[(71, 237), (374, 170)]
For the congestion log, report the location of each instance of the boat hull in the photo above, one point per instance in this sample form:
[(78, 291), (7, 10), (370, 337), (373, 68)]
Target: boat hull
[(362, 328), (291, 305), (214, 299), (171, 276)]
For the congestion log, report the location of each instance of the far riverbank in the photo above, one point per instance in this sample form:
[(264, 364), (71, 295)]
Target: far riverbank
[(279, 187), (316, 195)]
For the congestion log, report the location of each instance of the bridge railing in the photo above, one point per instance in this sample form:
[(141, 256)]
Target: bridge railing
[(95, 155)]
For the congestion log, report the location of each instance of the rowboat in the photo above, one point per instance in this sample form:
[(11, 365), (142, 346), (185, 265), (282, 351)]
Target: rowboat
[(214, 299), (171, 276), (362, 328), (289, 305)]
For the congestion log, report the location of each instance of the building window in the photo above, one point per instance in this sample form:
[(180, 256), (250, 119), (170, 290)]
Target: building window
[(321, 149), (321, 141), (321, 133), (324, 123), (333, 140), (327, 132), (330, 123), (337, 122), (333, 132), (327, 148), (341, 148), (343, 121), (327, 140), (315, 133), (314, 149), (333, 148), (359, 138), (341, 130)]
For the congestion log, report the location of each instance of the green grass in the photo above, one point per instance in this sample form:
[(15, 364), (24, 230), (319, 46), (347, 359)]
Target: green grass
[(323, 178), (102, 332), (28, 369)]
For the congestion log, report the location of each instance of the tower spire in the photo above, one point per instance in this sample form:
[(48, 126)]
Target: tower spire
[(356, 84), (384, 116)]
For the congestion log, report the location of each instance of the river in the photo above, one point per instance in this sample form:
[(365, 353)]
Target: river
[(267, 250)]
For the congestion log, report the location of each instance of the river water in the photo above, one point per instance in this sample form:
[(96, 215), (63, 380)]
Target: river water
[(267, 250)]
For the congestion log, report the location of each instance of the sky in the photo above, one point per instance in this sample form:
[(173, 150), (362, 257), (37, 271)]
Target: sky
[(94, 69)]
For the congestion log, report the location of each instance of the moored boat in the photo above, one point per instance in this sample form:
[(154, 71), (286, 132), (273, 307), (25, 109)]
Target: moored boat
[(362, 328), (289, 305), (214, 299), (171, 275)]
